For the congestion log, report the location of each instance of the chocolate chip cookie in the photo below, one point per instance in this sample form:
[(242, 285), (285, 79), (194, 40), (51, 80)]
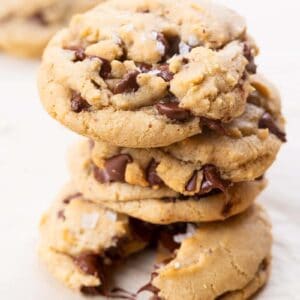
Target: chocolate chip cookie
[(217, 199), (224, 260), (27, 26), (148, 73), (81, 240), (241, 150)]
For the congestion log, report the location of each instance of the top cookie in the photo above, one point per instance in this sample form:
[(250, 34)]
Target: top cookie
[(37, 19), (144, 73)]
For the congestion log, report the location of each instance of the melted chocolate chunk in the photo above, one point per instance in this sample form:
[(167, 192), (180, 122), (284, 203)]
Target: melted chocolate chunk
[(173, 45), (61, 215), (78, 104), (90, 264), (165, 73), (105, 71), (215, 125), (251, 67), (167, 240), (114, 169), (254, 98), (212, 180), (128, 84), (268, 122), (68, 199), (145, 68), (152, 177), (39, 18), (142, 230), (173, 111), (192, 183)]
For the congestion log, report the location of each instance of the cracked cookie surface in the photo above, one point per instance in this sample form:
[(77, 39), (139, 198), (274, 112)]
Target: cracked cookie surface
[(145, 73), (28, 25), (225, 260)]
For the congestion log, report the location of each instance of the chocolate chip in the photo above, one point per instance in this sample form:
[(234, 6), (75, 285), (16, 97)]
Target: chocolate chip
[(92, 290), (79, 53), (105, 71), (266, 121), (145, 68), (215, 125), (89, 264), (78, 104), (251, 67), (165, 73), (152, 177), (185, 60), (114, 169), (128, 84), (192, 183), (212, 180), (142, 230), (173, 111), (173, 45), (61, 215), (254, 98), (39, 18), (68, 199), (167, 240)]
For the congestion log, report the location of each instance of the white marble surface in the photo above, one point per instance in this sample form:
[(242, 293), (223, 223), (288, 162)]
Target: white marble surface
[(32, 163)]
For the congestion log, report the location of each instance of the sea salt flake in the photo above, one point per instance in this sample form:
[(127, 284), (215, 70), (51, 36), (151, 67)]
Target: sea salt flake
[(179, 238), (193, 40), (128, 27), (154, 72), (161, 48), (116, 39), (89, 221), (154, 35), (177, 265), (112, 216), (184, 48)]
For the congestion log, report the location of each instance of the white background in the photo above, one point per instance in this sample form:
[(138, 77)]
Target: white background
[(33, 147)]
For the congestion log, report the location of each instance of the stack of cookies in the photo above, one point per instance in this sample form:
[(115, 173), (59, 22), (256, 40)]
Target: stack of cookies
[(181, 130)]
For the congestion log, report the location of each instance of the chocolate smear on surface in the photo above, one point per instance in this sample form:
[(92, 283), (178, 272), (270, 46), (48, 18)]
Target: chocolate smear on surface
[(192, 183), (212, 180), (267, 122), (172, 111), (68, 199), (128, 84), (214, 125), (152, 177), (78, 104), (92, 290), (114, 169)]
